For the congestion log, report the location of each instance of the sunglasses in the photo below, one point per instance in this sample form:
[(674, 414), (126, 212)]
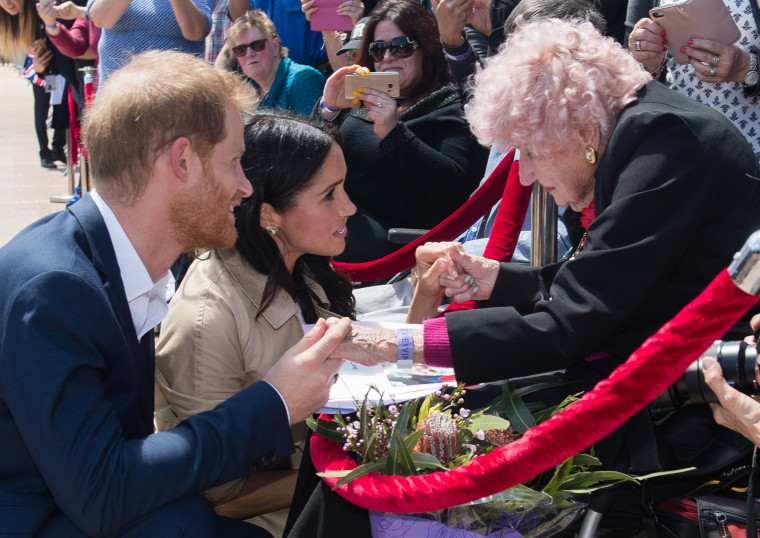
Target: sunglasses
[(400, 47), (255, 46)]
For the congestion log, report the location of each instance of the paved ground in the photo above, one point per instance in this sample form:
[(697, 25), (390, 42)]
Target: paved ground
[(25, 186)]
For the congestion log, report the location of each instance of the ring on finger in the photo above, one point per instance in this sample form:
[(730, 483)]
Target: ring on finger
[(638, 45), (714, 60), (380, 104), (712, 72)]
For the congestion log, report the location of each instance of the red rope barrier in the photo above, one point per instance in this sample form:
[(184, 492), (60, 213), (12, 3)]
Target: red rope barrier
[(647, 373), (452, 227)]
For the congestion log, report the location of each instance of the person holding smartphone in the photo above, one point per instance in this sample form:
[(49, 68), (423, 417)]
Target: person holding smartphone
[(411, 161), (722, 76)]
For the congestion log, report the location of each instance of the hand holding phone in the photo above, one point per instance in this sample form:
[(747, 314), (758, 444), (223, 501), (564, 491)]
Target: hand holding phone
[(695, 19)]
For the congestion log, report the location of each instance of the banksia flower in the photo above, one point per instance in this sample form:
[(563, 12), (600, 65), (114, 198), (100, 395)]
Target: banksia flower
[(441, 438)]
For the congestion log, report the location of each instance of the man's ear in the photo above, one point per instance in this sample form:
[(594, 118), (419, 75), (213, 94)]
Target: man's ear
[(181, 157), (268, 216)]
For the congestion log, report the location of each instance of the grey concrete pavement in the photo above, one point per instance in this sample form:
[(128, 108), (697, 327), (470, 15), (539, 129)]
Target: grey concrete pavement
[(25, 187)]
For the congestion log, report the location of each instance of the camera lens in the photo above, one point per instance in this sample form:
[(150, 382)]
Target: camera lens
[(738, 361)]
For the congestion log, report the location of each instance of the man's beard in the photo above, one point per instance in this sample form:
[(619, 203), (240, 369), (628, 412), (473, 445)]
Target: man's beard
[(200, 218)]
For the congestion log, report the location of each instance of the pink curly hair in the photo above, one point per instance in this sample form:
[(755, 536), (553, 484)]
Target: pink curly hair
[(550, 81)]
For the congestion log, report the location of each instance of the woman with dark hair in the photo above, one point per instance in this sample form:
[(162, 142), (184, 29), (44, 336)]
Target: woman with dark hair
[(239, 310), (412, 161)]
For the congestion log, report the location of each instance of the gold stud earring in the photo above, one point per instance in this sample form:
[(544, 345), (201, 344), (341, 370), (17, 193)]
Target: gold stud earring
[(273, 230), (590, 155)]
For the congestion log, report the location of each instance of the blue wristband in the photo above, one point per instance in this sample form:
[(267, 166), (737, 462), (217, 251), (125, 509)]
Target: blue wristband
[(405, 344)]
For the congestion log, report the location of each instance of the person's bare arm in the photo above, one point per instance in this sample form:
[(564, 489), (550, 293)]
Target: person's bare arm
[(106, 13), (192, 22), (238, 8)]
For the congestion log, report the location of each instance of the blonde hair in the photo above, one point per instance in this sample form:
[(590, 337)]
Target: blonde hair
[(146, 105), (18, 31), (260, 20), (550, 81)]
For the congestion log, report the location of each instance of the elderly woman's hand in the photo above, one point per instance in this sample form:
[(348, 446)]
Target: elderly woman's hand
[(476, 279), (433, 264), (647, 43), (715, 62), (381, 111), (374, 345), (736, 410), (307, 6)]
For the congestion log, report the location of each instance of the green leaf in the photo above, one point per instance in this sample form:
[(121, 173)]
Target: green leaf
[(530, 389), (367, 468), (560, 474), (405, 462), (402, 424), (423, 460), (586, 460), (593, 480), (326, 429), (425, 407), (515, 409), (487, 422), (411, 440)]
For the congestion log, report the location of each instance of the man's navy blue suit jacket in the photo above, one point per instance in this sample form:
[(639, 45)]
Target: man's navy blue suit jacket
[(76, 393)]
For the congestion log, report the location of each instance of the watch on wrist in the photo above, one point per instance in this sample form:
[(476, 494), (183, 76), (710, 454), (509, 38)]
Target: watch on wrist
[(752, 77)]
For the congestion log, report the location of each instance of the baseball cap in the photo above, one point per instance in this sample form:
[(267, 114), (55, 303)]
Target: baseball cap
[(355, 39)]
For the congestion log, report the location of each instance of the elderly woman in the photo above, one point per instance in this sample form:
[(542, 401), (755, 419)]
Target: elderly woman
[(281, 82), (722, 76), (664, 180), (411, 161)]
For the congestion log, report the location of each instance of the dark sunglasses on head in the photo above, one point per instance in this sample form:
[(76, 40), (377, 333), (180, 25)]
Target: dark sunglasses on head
[(400, 47), (255, 46)]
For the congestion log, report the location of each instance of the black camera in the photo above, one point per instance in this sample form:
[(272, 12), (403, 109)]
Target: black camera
[(739, 362)]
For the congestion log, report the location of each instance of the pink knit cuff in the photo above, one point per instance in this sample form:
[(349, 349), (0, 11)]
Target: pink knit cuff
[(435, 339)]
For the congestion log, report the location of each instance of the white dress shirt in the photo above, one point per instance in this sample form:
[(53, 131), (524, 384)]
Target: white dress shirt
[(147, 299)]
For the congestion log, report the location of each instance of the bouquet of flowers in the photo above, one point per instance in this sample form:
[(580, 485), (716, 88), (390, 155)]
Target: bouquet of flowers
[(438, 433)]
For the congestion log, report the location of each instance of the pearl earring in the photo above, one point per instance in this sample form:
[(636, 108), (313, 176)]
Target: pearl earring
[(590, 155)]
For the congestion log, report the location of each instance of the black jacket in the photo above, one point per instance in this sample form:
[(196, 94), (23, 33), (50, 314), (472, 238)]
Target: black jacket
[(673, 204)]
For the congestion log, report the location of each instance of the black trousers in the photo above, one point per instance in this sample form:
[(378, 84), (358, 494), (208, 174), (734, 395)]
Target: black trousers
[(60, 120)]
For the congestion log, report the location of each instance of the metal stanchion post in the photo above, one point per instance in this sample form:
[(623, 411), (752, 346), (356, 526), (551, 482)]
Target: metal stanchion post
[(543, 226), (63, 198), (84, 168)]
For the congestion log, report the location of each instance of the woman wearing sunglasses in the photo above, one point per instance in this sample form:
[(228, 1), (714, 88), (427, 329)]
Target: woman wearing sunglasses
[(411, 161), (282, 83)]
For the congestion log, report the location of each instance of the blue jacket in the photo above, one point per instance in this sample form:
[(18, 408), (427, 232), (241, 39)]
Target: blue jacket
[(76, 393)]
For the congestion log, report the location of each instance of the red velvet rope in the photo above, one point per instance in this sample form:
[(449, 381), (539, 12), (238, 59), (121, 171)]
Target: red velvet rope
[(645, 375), (455, 224)]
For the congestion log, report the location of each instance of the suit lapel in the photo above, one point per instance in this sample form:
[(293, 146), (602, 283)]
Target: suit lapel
[(98, 246)]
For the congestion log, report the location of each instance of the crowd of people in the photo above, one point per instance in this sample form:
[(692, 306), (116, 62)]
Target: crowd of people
[(223, 129)]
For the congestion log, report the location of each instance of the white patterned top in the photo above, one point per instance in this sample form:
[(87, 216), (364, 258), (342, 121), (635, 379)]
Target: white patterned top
[(726, 97)]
